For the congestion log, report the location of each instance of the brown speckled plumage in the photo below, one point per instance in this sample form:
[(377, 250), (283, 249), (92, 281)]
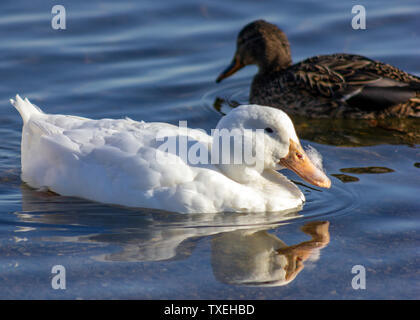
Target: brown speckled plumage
[(337, 85)]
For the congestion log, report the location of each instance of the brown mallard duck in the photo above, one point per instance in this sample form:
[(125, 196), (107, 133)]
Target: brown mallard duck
[(336, 85)]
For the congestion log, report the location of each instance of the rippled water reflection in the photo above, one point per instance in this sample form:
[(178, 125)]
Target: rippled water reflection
[(157, 61)]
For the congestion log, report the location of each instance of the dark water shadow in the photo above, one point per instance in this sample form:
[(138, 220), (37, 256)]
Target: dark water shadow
[(345, 178), (339, 132)]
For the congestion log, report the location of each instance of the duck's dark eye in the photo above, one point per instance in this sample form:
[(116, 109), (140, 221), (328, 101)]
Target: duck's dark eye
[(269, 130)]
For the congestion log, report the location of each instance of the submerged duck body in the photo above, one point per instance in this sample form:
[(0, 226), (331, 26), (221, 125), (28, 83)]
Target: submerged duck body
[(337, 85), (117, 162)]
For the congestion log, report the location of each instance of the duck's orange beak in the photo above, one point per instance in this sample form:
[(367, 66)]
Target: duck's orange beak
[(234, 66), (297, 161)]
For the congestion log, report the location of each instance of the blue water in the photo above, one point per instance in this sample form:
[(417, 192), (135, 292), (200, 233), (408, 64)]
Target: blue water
[(158, 61)]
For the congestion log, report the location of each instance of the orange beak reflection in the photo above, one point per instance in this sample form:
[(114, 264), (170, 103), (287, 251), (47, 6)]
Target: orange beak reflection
[(231, 69), (297, 161)]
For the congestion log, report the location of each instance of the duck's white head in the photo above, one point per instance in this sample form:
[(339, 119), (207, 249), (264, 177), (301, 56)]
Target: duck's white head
[(281, 147)]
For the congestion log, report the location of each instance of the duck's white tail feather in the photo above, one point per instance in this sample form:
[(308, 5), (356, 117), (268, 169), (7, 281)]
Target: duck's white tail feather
[(25, 108)]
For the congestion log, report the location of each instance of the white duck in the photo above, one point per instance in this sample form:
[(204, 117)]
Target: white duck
[(120, 162)]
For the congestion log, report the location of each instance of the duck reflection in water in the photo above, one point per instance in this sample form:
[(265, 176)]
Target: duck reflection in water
[(258, 258), (336, 132), (243, 252)]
